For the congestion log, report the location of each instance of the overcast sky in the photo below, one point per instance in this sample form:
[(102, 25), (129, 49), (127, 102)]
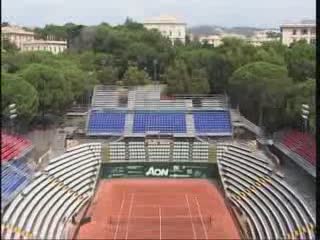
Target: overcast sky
[(228, 13)]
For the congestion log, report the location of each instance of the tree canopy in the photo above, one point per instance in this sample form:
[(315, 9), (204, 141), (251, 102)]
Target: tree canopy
[(17, 91), (269, 81), (264, 86)]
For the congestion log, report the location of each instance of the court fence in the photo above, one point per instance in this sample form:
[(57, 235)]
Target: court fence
[(159, 170)]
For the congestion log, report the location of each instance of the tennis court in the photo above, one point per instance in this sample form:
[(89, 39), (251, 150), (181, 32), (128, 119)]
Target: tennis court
[(159, 209)]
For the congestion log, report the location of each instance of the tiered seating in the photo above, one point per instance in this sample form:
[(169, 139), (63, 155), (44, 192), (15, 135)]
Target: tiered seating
[(200, 151), (45, 207), (273, 209), (137, 151), (181, 151), (159, 151), (162, 122), (105, 97), (13, 180), (212, 122), (101, 122), (117, 151), (13, 146), (302, 144)]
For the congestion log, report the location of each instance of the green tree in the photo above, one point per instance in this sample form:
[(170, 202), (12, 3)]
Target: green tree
[(301, 93), (271, 52), (54, 91), (134, 76), (74, 77), (107, 75), (199, 82), (261, 88), (237, 51), (23, 94), (300, 58), (8, 46), (219, 70), (177, 78), (132, 25)]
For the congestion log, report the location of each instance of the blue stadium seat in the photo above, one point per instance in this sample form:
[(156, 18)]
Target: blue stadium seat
[(163, 122), (212, 122), (21, 165), (11, 181), (106, 122)]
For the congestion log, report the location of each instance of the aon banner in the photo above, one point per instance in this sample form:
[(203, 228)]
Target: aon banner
[(159, 169)]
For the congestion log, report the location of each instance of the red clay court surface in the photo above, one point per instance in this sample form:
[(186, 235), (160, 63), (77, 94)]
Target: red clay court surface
[(158, 209)]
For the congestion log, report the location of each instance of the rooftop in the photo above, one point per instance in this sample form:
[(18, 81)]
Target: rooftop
[(303, 23), (16, 30)]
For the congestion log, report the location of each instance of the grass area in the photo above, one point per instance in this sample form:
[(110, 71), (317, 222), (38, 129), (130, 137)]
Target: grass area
[(213, 153), (105, 153)]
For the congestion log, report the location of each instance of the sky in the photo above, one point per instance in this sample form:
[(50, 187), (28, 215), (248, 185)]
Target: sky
[(225, 13)]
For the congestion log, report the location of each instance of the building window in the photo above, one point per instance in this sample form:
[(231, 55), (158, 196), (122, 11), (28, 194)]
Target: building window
[(179, 33), (313, 31), (170, 33), (304, 31), (294, 32)]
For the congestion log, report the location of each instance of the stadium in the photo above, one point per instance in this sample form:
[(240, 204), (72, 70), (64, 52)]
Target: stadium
[(150, 166)]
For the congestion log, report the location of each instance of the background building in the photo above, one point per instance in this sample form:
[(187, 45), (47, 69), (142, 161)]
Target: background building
[(291, 32), (45, 45), (16, 35), (263, 36), (25, 40), (169, 27), (214, 40)]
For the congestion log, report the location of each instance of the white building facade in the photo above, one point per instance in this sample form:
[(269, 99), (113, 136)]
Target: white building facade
[(25, 40), (292, 32), (264, 36), (54, 47), (16, 35), (169, 27), (213, 40)]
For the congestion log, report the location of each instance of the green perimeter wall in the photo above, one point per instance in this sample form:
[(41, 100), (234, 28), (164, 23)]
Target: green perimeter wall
[(159, 170)]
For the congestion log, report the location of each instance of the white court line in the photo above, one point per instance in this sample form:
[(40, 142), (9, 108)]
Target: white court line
[(160, 220), (153, 217), (190, 215), (199, 210), (122, 203), (130, 210), (157, 206)]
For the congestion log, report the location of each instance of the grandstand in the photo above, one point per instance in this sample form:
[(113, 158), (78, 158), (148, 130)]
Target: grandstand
[(137, 133), (139, 111), (299, 146), (16, 169), (156, 150), (45, 207), (273, 209), (13, 146)]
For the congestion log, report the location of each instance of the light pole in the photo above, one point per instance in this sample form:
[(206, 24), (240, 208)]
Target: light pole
[(12, 115), (305, 115), (155, 62)]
